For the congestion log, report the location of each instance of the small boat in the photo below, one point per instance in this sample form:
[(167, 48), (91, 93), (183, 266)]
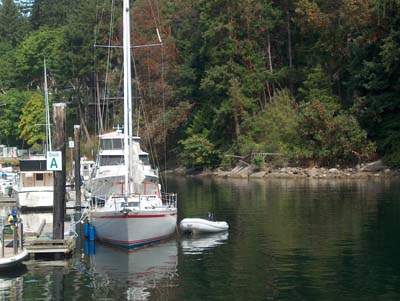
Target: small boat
[(200, 225), (12, 251), (11, 260)]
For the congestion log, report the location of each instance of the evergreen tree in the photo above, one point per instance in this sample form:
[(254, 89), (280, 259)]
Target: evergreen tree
[(13, 25), (51, 13)]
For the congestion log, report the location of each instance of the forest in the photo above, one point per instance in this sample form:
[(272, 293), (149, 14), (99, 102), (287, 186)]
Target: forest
[(314, 81)]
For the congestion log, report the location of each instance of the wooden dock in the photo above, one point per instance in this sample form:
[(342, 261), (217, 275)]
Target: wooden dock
[(43, 243), (51, 246)]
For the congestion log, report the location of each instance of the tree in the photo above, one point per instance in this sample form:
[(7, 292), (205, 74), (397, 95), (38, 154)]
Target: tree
[(32, 122), (198, 152), (374, 82), (39, 45), (274, 129), (8, 74), (328, 135), (11, 104), (51, 13), (13, 25), (228, 43)]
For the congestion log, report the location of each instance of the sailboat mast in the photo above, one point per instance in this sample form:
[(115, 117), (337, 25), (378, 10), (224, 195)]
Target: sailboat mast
[(127, 94), (46, 101)]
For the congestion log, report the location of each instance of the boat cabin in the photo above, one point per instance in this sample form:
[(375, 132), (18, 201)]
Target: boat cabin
[(34, 173)]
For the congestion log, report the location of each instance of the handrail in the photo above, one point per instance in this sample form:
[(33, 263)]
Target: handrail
[(16, 242)]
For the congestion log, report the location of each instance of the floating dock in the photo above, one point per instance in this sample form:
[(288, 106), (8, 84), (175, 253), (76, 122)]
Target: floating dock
[(15, 247), (43, 243), (51, 246)]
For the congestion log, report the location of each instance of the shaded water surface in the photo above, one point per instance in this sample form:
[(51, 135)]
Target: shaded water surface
[(288, 240)]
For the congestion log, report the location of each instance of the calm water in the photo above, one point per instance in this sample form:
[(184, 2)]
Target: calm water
[(288, 240)]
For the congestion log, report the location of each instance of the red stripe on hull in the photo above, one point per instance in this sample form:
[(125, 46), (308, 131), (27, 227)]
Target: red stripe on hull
[(135, 216)]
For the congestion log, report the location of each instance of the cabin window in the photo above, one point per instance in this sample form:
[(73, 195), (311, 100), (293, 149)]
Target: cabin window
[(111, 160), (144, 159), (129, 204), (109, 144)]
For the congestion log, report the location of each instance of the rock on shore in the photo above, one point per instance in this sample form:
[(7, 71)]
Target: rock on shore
[(363, 171)]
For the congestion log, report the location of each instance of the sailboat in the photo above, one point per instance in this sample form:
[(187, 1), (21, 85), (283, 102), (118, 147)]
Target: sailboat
[(35, 186), (138, 214)]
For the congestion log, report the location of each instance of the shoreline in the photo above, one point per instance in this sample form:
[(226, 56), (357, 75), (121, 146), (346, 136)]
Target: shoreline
[(372, 170)]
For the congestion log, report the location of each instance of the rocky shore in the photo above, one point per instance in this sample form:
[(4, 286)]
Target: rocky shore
[(363, 171)]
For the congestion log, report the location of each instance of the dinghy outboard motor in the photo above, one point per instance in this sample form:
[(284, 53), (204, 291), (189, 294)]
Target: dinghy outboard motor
[(211, 216)]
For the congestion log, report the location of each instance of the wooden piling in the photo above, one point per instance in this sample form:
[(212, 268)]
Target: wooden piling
[(77, 158), (59, 176)]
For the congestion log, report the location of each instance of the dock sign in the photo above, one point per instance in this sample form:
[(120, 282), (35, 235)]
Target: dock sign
[(54, 161)]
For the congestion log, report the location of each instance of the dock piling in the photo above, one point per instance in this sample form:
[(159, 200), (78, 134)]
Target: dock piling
[(77, 158), (59, 176)]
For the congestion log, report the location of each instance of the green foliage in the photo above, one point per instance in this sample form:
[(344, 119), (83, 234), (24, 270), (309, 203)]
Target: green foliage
[(11, 104), (317, 86), (31, 125), (227, 161), (198, 152), (51, 13), (13, 25), (39, 45), (8, 73), (328, 136), (374, 80), (274, 129), (258, 162)]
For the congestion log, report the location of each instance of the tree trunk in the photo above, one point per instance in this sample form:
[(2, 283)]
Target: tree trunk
[(100, 115), (289, 33), (270, 66), (83, 124), (269, 52), (290, 57)]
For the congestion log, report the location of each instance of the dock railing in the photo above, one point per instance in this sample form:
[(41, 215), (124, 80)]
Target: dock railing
[(18, 242)]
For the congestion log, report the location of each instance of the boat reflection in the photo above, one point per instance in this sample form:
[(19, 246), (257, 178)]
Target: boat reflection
[(12, 283), (143, 272), (197, 244)]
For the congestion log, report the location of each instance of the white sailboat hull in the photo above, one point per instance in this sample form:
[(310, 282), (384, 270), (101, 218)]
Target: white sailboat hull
[(135, 229)]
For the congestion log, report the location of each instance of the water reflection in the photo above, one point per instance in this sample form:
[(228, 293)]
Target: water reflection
[(197, 244), (139, 273), (288, 240), (12, 283)]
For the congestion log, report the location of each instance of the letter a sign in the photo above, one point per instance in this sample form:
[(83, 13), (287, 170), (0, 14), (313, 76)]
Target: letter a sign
[(54, 161)]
